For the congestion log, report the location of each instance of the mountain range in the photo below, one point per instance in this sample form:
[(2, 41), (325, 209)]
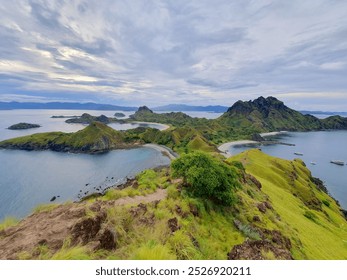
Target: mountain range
[(165, 108), (63, 105)]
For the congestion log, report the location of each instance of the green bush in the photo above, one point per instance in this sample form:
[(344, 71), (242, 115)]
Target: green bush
[(207, 177), (326, 202)]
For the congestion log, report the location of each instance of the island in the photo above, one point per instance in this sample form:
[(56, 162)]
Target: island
[(95, 138), (119, 115), (23, 125)]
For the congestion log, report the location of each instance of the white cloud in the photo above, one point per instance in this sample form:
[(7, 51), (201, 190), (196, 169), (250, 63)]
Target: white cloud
[(333, 65)]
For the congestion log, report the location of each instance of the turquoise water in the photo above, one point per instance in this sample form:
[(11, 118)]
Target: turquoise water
[(29, 178), (319, 147)]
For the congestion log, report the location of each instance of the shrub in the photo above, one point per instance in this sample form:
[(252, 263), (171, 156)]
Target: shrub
[(207, 177), (310, 215), (326, 202)]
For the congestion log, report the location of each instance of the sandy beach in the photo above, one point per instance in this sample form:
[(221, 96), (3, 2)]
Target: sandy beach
[(273, 133), (224, 148), (167, 151), (164, 126)]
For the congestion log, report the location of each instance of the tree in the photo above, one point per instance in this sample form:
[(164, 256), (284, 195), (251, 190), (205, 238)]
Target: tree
[(207, 177)]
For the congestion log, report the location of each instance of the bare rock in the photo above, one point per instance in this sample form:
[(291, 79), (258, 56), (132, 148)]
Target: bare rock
[(139, 210), (87, 229), (107, 239), (173, 224), (193, 209), (261, 206), (255, 249), (254, 181), (256, 218)]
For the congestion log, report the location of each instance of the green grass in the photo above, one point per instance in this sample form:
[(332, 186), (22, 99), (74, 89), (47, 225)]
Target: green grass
[(8, 222), (322, 236), (73, 253), (45, 207), (153, 251)]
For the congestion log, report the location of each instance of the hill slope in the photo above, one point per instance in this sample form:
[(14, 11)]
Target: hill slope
[(307, 214), (268, 114), (95, 138), (281, 213)]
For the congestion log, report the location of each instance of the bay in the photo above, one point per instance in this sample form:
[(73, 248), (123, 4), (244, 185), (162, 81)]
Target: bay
[(29, 178)]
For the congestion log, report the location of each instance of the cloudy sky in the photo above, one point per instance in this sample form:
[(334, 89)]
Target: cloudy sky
[(160, 52)]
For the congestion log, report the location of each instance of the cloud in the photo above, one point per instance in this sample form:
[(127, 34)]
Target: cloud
[(159, 52)]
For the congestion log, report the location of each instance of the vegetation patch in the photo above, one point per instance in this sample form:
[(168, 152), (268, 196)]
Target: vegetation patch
[(205, 176)]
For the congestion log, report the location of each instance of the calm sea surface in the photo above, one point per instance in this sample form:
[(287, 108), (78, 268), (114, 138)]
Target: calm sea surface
[(29, 178), (317, 147)]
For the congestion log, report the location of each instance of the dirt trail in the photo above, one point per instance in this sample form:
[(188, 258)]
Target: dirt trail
[(52, 227)]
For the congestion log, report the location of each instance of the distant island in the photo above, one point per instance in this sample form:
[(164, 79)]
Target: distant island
[(23, 125), (119, 115), (64, 117)]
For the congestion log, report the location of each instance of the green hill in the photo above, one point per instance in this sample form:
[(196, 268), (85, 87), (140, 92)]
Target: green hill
[(268, 114), (96, 137)]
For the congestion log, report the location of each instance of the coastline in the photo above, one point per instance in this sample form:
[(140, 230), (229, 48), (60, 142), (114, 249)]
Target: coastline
[(164, 150), (224, 148), (273, 133), (165, 126)]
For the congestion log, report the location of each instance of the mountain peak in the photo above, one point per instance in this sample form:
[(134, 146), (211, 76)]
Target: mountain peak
[(261, 104), (144, 109)]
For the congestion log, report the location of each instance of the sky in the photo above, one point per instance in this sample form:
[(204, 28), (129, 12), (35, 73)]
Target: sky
[(162, 52)]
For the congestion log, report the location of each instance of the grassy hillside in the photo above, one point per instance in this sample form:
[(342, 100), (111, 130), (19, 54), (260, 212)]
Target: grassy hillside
[(268, 114), (279, 213), (308, 215), (96, 137)]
